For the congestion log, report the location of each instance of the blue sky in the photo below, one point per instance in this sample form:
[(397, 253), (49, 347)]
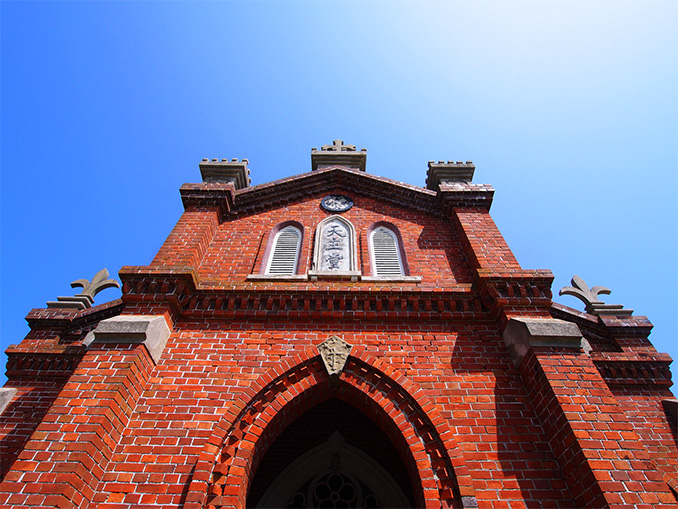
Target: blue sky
[(569, 109)]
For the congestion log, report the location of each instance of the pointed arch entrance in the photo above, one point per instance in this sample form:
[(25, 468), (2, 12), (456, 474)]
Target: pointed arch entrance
[(331, 456), (227, 469)]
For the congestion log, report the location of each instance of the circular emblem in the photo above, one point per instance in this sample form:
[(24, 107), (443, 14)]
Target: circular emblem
[(336, 203)]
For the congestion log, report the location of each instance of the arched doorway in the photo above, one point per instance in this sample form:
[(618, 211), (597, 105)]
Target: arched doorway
[(227, 466), (331, 456)]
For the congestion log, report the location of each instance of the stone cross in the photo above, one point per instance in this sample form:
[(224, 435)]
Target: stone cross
[(338, 146)]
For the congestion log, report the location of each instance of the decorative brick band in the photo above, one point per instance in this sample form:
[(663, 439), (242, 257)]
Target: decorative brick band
[(633, 370), (413, 423), (37, 365), (254, 302)]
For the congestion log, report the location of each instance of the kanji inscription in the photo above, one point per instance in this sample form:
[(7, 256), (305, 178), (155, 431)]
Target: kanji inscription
[(335, 255)]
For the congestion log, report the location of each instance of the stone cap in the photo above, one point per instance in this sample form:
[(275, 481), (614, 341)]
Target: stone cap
[(233, 171), (151, 331), (6, 396), (522, 333), (338, 154), (448, 172)]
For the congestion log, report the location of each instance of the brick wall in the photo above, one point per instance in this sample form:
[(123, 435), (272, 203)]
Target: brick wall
[(461, 422)]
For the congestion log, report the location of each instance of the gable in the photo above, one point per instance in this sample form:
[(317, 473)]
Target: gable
[(238, 250)]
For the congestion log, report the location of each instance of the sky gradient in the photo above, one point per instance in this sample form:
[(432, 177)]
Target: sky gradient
[(568, 109)]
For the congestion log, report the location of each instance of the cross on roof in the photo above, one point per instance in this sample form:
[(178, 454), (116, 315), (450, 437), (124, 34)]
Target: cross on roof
[(338, 146)]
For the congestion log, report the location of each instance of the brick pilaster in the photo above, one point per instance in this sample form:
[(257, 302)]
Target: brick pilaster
[(67, 455), (601, 456), (483, 242), (190, 238)]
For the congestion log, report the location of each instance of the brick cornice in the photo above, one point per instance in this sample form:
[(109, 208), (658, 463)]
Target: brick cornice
[(60, 362), (612, 327), (209, 194), (514, 290), (634, 369), (179, 291), (66, 320), (298, 187), (465, 195), (46, 356), (251, 200)]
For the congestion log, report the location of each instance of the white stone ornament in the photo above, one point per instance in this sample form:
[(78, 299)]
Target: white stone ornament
[(336, 203), (334, 352)]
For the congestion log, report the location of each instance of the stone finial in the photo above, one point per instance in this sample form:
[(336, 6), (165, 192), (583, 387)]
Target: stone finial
[(99, 282), (338, 154), (334, 352), (589, 296), (85, 298), (233, 171), (449, 172)]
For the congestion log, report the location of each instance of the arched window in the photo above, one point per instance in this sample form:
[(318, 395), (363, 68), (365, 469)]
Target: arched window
[(284, 254), (385, 253)]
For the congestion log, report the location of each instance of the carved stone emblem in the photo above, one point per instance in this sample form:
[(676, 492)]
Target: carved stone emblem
[(589, 296), (85, 299), (336, 203), (99, 282), (334, 352)]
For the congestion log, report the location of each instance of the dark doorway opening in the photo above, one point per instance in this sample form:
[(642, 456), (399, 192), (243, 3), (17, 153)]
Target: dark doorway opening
[(331, 456)]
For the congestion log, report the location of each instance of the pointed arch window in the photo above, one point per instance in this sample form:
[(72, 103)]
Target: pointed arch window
[(284, 254), (385, 253)]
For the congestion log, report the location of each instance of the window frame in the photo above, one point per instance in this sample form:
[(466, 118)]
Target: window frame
[(274, 246), (373, 253), (354, 272), (266, 258), (405, 276)]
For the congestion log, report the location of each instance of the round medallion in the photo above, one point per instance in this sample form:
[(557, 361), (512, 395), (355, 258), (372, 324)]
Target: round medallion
[(336, 203)]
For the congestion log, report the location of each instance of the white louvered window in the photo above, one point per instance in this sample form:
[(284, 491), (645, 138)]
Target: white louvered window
[(285, 251), (386, 253)]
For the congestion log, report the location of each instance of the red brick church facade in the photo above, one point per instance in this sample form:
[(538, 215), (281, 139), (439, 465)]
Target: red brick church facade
[(336, 339)]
